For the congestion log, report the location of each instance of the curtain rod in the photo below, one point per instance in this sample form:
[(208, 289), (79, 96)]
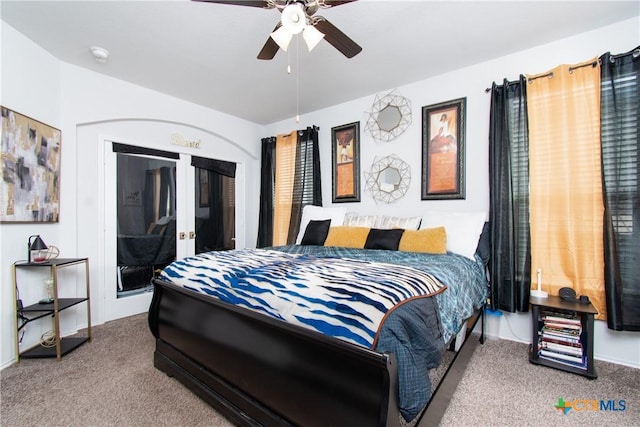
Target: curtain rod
[(635, 53), (571, 69), (530, 79), (314, 127), (593, 64), (508, 84)]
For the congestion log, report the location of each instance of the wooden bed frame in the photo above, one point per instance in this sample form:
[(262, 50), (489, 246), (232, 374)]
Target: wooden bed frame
[(256, 370)]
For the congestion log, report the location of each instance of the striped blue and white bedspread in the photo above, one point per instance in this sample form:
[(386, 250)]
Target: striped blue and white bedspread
[(465, 279), (342, 298)]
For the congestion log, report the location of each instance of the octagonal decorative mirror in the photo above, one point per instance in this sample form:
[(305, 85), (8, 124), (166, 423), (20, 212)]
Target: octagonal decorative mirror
[(388, 179), (389, 117)]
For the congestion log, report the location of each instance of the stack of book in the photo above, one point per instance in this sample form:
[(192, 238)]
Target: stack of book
[(559, 339)]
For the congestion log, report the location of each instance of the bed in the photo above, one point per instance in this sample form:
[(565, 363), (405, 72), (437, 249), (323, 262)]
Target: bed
[(220, 331), (140, 255)]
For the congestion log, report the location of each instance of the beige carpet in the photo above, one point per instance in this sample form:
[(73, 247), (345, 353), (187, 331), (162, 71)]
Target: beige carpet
[(111, 382), (107, 382), (501, 388)]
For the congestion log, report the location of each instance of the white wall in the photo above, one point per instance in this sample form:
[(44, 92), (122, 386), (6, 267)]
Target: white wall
[(32, 89), (85, 105), (469, 82)]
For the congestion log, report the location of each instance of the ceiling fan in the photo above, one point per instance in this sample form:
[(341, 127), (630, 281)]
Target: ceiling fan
[(299, 16)]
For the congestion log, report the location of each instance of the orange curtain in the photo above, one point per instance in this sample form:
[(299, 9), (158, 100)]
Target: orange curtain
[(565, 181), (285, 174)]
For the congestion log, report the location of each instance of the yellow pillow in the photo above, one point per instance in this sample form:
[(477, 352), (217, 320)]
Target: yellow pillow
[(347, 237), (431, 240)]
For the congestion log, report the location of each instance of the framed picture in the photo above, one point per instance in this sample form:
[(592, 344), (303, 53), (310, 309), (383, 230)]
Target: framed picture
[(131, 197), (345, 150), (443, 137), (204, 187), (30, 161)]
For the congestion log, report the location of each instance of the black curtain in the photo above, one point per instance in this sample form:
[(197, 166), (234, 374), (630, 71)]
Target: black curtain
[(510, 264), (167, 182), (307, 186), (620, 127), (148, 196), (132, 149), (213, 236), (156, 208), (267, 186), (218, 166), (216, 211)]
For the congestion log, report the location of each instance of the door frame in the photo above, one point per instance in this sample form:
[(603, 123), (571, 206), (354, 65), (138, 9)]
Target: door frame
[(185, 221), (114, 307), (168, 135)]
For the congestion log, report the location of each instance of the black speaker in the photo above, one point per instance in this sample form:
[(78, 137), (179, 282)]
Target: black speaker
[(568, 294)]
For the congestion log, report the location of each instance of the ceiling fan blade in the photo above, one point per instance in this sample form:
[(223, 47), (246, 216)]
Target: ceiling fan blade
[(270, 48), (333, 3), (257, 3), (337, 38)]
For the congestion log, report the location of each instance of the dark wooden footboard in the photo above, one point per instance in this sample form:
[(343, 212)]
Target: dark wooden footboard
[(260, 371)]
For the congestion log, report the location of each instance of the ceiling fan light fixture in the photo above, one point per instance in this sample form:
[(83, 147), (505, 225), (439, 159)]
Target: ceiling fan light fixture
[(293, 18), (311, 36), (282, 37)]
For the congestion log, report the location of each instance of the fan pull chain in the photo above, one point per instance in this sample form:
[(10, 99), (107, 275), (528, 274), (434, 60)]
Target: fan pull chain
[(297, 80)]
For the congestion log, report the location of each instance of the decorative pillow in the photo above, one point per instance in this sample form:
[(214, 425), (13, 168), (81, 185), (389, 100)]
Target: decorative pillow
[(309, 212), (407, 223), (429, 240), (463, 229), (316, 232), (348, 217), (360, 221), (484, 244), (347, 237), (382, 222), (383, 239)]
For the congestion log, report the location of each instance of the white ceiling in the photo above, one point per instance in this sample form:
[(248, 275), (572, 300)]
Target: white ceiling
[(206, 53)]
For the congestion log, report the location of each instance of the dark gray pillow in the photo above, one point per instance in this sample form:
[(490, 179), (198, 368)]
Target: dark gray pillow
[(484, 244), (316, 232), (384, 239)]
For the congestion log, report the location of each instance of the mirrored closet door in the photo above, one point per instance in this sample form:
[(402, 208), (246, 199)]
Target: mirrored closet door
[(167, 205)]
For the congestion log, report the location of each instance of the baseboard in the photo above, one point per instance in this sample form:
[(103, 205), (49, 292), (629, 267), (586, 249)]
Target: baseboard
[(7, 364)]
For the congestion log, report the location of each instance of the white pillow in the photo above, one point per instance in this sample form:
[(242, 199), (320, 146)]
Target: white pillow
[(463, 229), (317, 213), (388, 222), (382, 222), (360, 221)]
